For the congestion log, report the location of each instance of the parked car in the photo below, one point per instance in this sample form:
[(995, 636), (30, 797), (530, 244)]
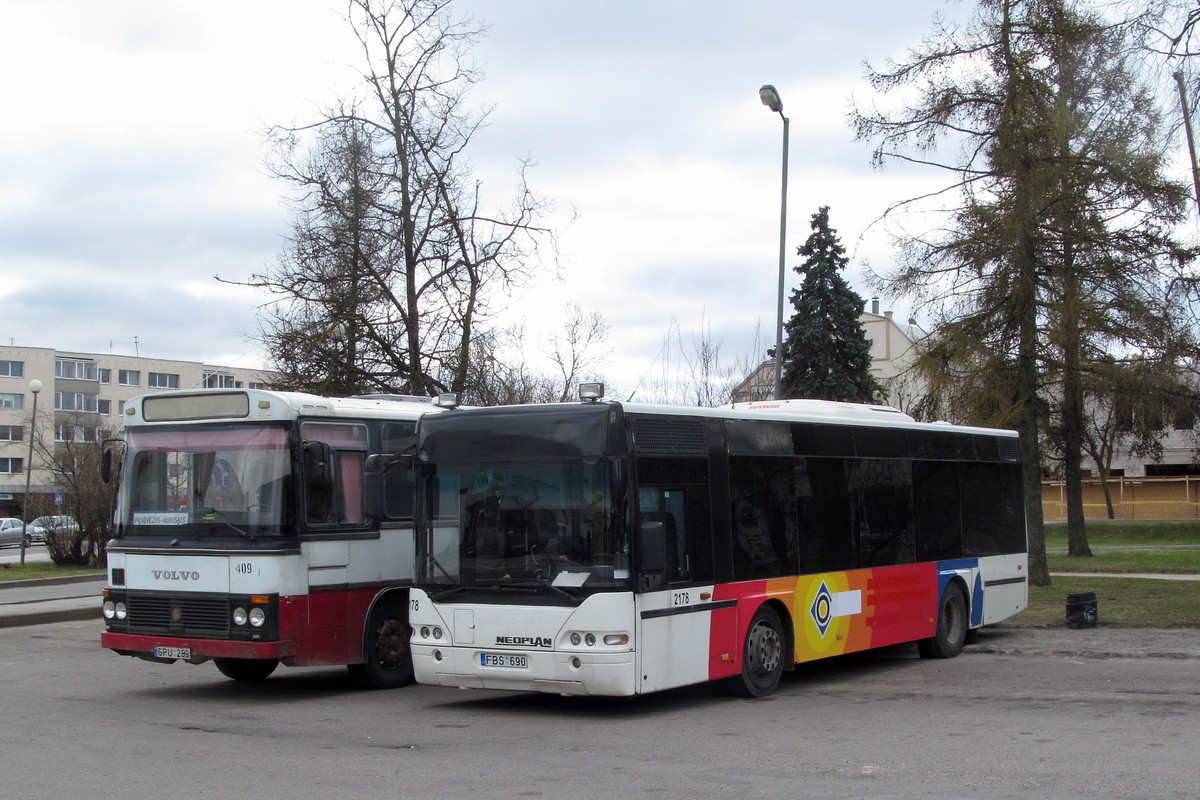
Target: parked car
[(11, 531), (43, 527)]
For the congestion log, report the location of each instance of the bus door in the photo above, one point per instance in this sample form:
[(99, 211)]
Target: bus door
[(674, 611)]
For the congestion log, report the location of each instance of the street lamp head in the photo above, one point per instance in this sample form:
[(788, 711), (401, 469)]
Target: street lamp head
[(35, 386), (770, 98)]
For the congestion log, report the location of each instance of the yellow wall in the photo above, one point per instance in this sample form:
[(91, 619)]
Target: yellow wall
[(1132, 498)]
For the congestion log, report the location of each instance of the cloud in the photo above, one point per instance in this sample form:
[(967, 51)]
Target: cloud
[(131, 165)]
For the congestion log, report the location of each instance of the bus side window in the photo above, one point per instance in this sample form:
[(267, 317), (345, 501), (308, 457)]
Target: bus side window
[(398, 437), (668, 507), (335, 489)]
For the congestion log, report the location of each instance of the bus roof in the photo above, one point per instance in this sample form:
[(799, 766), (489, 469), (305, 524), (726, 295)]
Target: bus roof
[(823, 412), (240, 405), (809, 410)]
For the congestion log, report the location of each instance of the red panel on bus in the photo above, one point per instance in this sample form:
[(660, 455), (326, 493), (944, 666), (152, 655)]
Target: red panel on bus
[(832, 613)]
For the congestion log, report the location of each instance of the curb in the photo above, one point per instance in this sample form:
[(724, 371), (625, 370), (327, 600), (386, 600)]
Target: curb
[(45, 616), (54, 581)]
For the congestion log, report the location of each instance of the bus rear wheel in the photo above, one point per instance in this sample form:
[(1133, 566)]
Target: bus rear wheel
[(246, 669), (388, 663), (762, 656), (951, 633)]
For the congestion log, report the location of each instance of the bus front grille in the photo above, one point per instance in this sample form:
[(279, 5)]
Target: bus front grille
[(178, 614)]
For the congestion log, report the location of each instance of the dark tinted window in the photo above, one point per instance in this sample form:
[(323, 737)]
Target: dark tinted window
[(991, 509), (938, 518), (883, 514), (828, 541), (764, 517)]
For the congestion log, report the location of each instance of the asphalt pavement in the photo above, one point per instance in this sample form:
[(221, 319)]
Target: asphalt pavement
[(38, 602)]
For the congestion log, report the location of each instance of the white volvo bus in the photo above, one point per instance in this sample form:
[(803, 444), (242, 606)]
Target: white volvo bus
[(255, 528), (613, 549)]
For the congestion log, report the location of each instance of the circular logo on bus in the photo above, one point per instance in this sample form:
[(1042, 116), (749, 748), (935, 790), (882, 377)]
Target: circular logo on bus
[(822, 608)]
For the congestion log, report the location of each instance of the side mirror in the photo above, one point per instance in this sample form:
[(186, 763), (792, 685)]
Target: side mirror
[(318, 470), (653, 547), (384, 463), (108, 457)]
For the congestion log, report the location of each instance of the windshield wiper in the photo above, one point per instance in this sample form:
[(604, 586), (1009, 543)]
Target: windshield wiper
[(533, 583), (212, 515), (499, 585)]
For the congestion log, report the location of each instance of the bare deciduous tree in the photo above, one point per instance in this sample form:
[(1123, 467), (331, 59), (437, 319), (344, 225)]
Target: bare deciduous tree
[(74, 461), (394, 263)]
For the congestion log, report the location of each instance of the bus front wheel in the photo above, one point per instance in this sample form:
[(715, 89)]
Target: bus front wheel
[(388, 663), (951, 633), (762, 656), (246, 669)]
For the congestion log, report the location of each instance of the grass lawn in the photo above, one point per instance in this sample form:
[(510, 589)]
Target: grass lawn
[(42, 569), (1117, 532), (1127, 602)]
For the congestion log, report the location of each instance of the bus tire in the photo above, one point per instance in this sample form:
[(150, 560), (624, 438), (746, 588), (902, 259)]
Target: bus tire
[(951, 633), (387, 652), (246, 669), (763, 655)]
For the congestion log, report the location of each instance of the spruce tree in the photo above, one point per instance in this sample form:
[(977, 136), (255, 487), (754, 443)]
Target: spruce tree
[(826, 354)]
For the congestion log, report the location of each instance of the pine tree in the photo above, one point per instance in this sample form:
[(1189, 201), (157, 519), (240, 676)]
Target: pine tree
[(826, 354)]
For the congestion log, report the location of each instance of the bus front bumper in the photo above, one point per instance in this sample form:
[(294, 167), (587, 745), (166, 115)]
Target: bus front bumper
[(167, 649), (609, 674)]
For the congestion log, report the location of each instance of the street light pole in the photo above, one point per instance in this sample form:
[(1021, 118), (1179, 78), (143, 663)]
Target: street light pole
[(771, 99), (35, 386)]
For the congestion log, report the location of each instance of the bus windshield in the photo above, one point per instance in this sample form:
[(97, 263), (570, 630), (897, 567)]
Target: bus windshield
[(545, 527), (201, 481)]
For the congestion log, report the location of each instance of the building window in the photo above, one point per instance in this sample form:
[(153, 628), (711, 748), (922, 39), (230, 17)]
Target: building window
[(106, 376), (12, 369), (12, 433), (256, 385), (104, 406), (75, 401), (163, 380), (128, 377), (218, 380), (11, 466), (12, 402), (64, 432), (76, 369)]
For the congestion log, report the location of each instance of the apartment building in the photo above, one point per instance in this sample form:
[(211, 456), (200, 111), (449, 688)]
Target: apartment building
[(81, 394)]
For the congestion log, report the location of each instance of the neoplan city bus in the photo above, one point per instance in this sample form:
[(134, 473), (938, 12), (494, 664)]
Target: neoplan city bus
[(609, 549), (255, 528)]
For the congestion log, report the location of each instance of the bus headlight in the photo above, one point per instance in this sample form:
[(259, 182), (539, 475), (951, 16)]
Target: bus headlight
[(110, 609), (257, 617), (122, 611), (239, 616)]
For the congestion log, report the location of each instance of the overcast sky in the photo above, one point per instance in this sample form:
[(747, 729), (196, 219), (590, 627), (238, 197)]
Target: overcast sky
[(131, 159)]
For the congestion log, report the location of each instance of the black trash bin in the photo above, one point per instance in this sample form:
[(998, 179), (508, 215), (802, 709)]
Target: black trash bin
[(1081, 610)]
